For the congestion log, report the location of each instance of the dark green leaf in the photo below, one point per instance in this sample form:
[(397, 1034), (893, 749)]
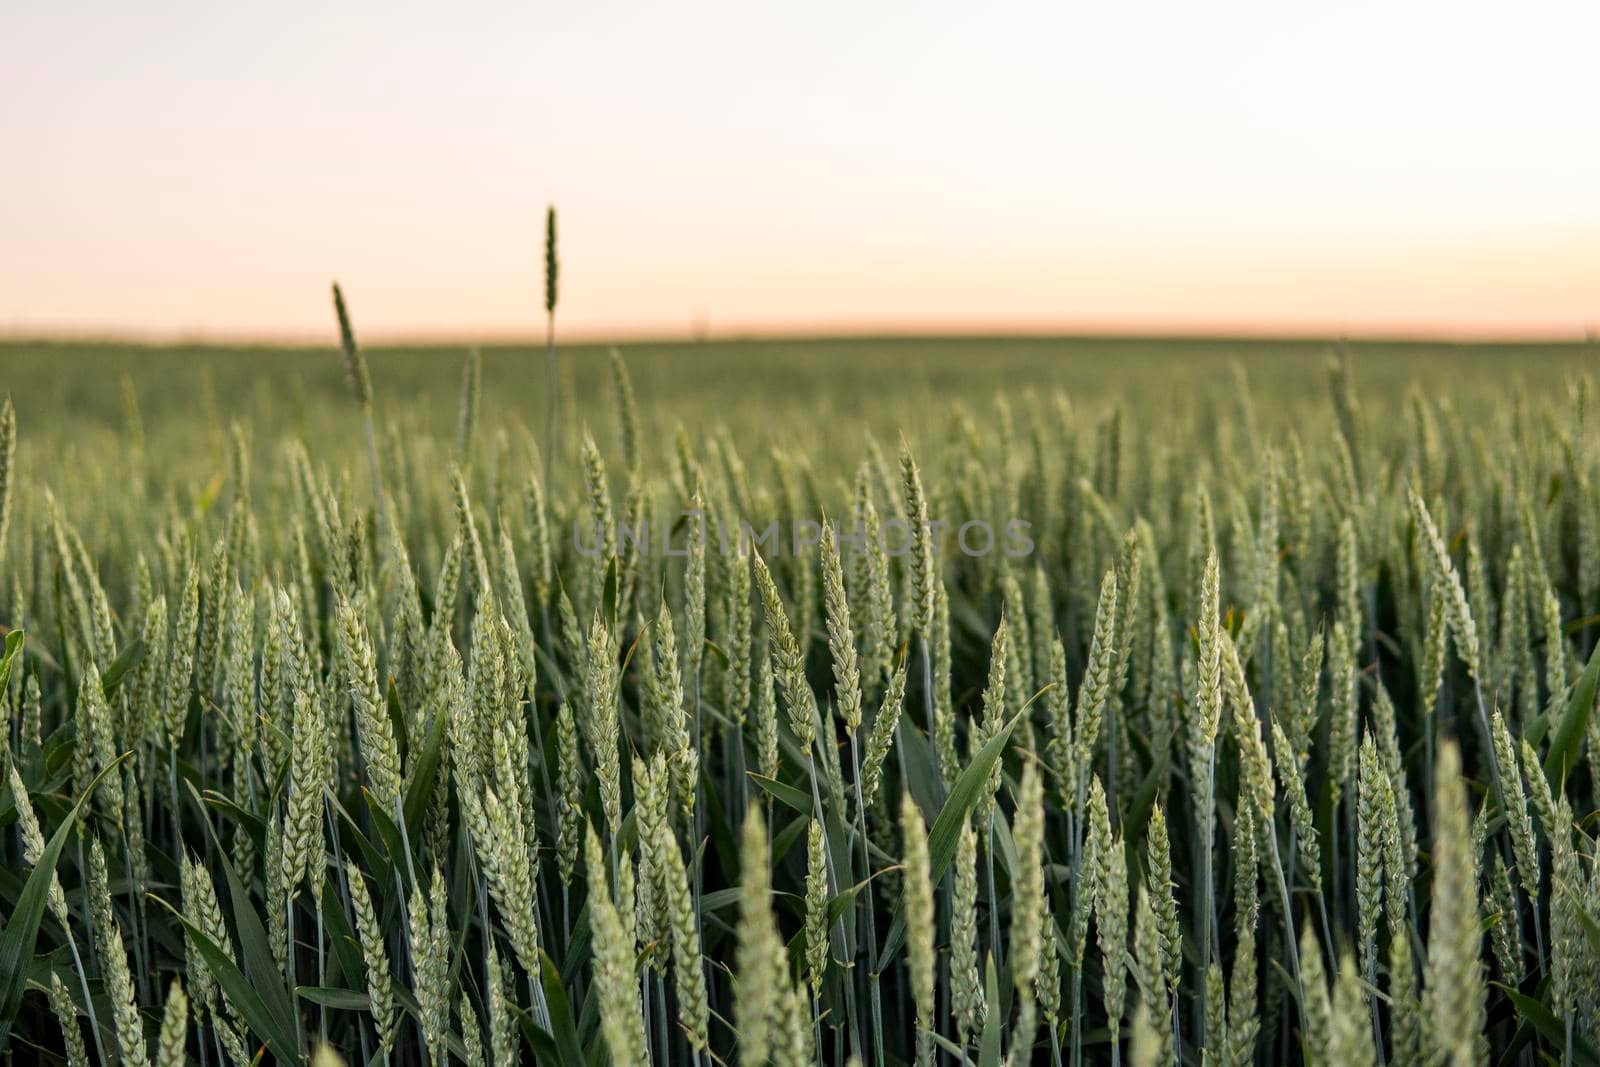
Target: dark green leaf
[(384, 822), (397, 718), (957, 809), (243, 994), (563, 1031), (424, 767), (611, 592), (1545, 1021), (1574, 722), (798, 799), (22, 929), (260, 965), (328, 997), (346, 950), (253, 824), (129, 658)]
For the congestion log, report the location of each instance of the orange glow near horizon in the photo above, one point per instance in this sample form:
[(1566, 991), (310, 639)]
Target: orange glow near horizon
[(726, 170)]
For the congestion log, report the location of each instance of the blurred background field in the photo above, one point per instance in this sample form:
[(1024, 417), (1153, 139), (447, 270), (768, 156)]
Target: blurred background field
[(819, 395)]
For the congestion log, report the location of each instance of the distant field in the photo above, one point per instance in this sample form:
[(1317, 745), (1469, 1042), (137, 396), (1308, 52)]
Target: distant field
[(811, 393)]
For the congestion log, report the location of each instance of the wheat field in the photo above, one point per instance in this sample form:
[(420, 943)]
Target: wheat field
[(936, 702)]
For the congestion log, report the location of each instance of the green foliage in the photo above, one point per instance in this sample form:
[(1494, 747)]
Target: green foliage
[(1276, 662)]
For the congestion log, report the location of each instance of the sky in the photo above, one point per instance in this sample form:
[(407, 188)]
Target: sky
[(188, 170)]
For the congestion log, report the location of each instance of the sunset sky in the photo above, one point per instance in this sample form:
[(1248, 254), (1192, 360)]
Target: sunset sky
[(187, 169)]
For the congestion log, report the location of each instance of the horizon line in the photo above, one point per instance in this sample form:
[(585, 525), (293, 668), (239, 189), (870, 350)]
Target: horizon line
[(1256, 331)]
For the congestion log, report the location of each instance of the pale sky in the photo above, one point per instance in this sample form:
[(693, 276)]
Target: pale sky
[(184, 169)]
